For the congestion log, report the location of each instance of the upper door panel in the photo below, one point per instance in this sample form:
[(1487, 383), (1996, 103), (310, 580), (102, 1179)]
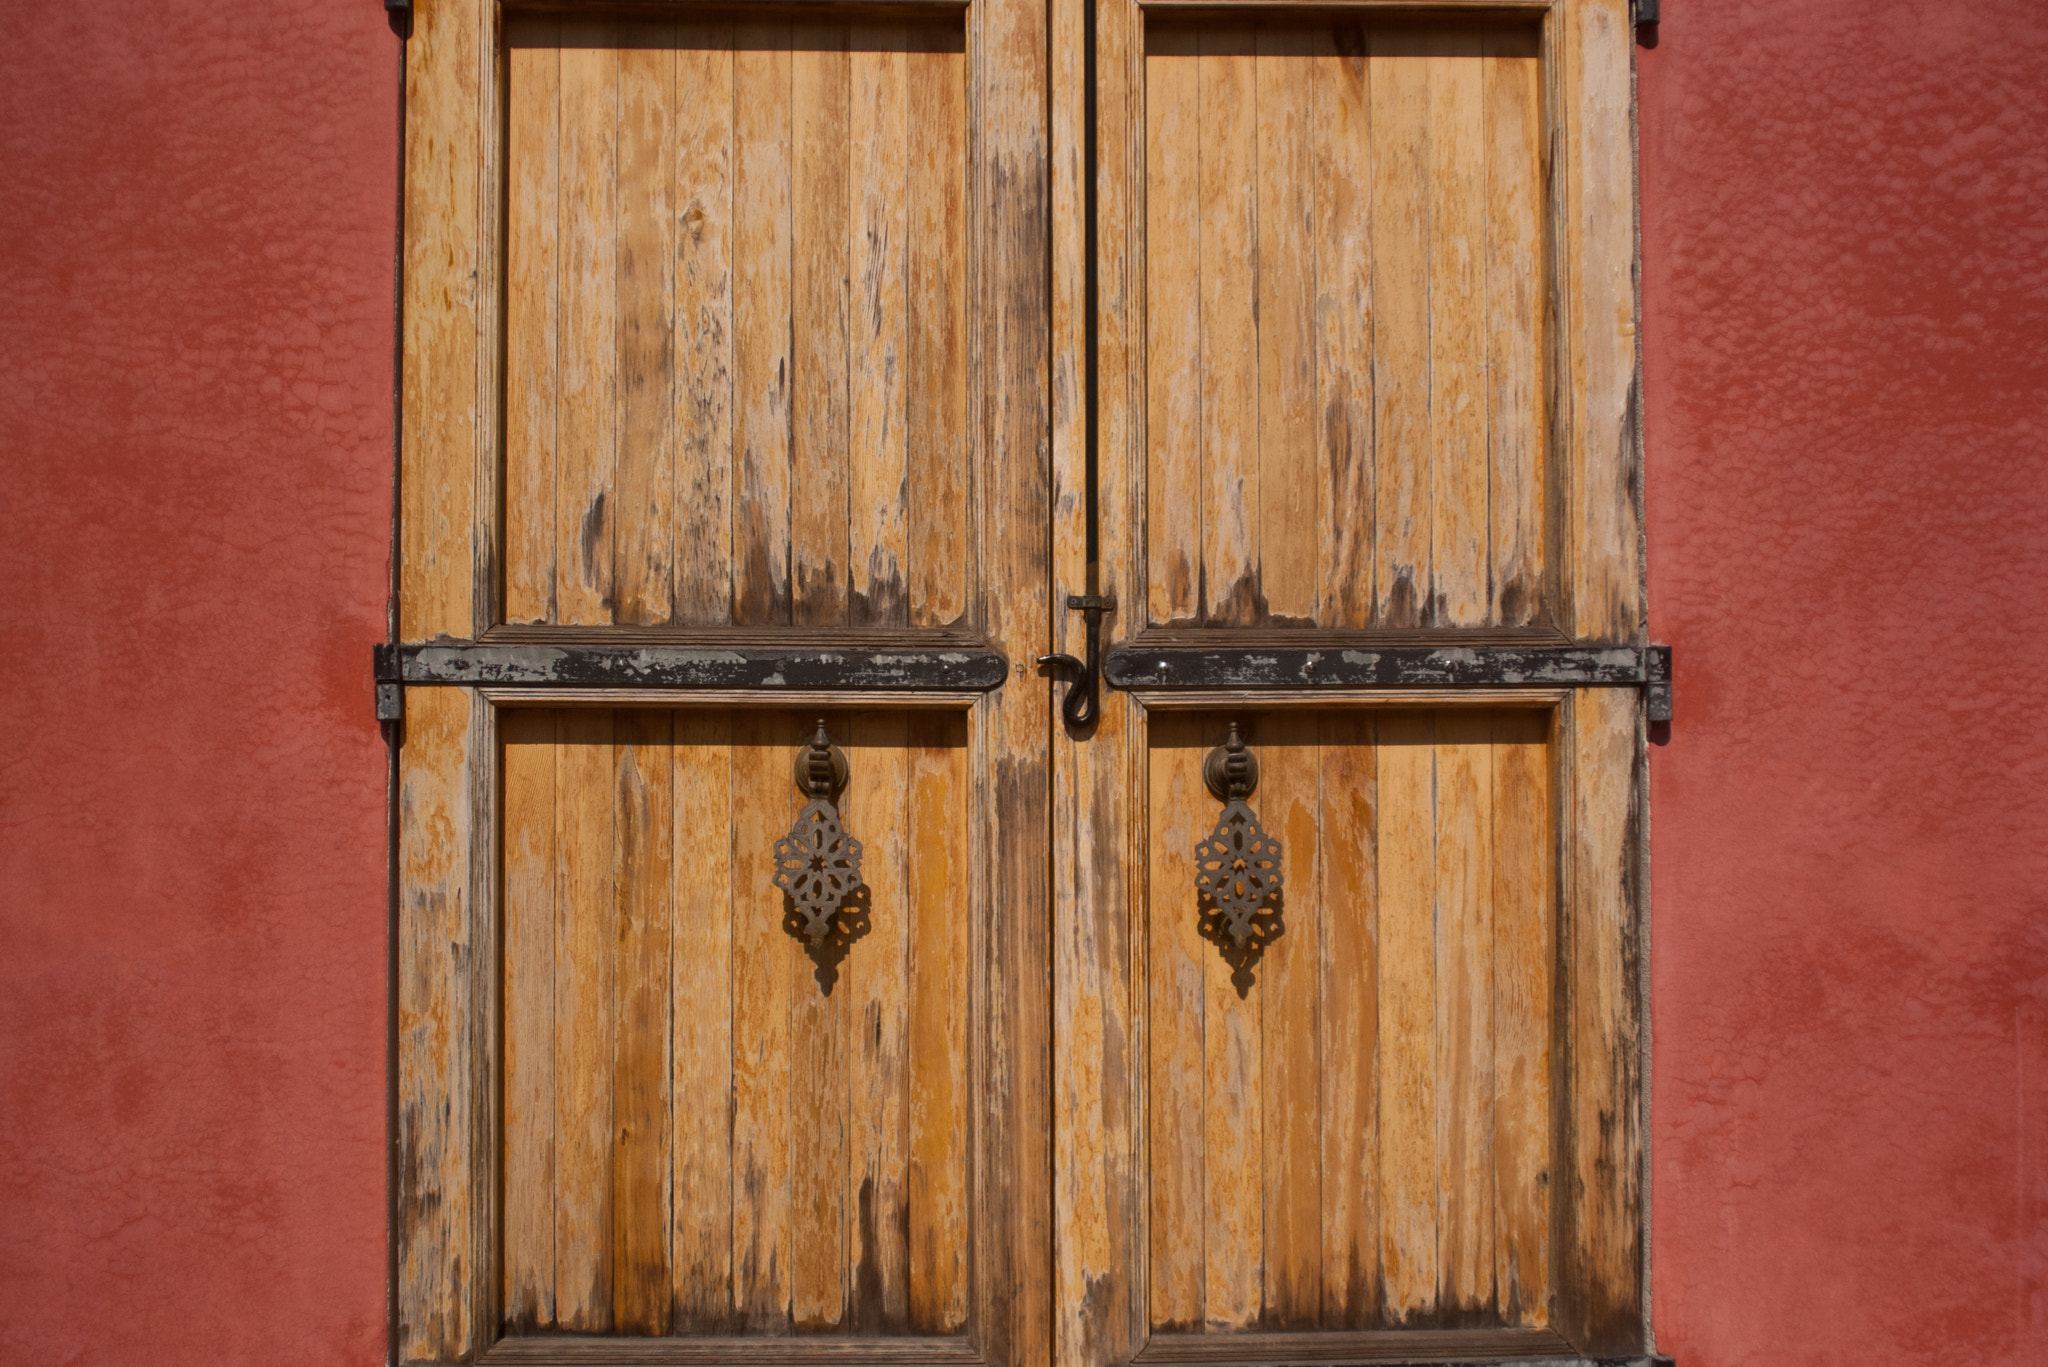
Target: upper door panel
[(1347, 338), (736, 323)]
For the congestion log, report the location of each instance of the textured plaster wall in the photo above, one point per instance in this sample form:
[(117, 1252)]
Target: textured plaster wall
[(1845, 215), (196, 210), (1845, 261)]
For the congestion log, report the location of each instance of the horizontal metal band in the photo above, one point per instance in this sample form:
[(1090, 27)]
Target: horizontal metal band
[(1499, 666), (640, 665)]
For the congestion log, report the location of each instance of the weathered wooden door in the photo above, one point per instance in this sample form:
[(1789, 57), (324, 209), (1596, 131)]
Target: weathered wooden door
[(774, 376), (726, 416), (1362, 454)]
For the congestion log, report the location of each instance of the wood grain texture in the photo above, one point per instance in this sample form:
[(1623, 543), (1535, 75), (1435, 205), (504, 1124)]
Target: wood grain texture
[(1226, 131), (937, 868), (703, 1053), (1399, 77), (1349, 988), (1173, 325), (1099, 1289), (586, 974), (1341, 167), (1291, 1035), (438, 1038), (1518, 287), (528, 767), (1285, 73), (643, 884), (587, 416), (941, 552), (878, 156), (1458, 345), (1465, 950), (1600, 1271), (706, 109), (711, 1128), (644, 549), (761, 333), (532, 317), (1328, 205), (1593, 50), (1407, 1025), (736, 322), (1524, 978), (820, 320), (444, 422), (1394, 1162)]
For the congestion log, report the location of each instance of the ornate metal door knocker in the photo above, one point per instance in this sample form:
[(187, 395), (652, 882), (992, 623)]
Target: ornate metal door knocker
[(818, 863), (1238, 866)]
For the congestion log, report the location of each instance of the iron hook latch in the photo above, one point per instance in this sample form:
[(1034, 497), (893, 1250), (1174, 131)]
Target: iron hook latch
[(1084, 695)]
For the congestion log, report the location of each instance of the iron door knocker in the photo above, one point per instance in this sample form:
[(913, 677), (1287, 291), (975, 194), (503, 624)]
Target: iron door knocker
[(818, 863), (1238, 865)]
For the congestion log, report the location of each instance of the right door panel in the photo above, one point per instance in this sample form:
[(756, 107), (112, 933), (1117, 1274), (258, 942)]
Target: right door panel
[(1350, 1112)]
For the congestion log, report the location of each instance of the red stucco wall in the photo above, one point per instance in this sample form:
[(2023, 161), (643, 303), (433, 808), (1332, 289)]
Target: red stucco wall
[(196, 219), (1845, 216), (1845, 264)]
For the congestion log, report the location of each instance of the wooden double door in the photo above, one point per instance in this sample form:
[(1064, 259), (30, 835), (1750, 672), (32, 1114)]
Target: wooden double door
[(776, 375)]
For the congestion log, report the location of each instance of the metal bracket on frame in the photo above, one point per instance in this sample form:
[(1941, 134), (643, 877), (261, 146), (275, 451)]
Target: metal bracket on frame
[(390, 682)]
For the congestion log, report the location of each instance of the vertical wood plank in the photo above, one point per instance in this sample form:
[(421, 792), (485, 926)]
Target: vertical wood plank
[(643, 553), (935, 332), (1228, 132), (1288, 993), (1459, 591), (937, 821), (444, 331), (1173, 325), (876, 984), (1601, 1304), (532, 325), (1289, 506), (1013, 1226), (586, 929), (705, 235), (1401, 165), (761, 312), (530, 883), (877, 174), (436, 1036), (820, 1106), (703, 1051), (1464, 1012), (762, 953), (1595, 61), (1098, 849), (1177, 964), (1233, 1128), (586, 495), (644, 873), (1408, 1100), (1516, 288), (820, 326), (1345, 308), (1525, 946), (1350, 1026)]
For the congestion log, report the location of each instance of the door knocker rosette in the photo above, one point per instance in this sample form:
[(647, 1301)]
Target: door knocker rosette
[(818, 863), (1238, 865)]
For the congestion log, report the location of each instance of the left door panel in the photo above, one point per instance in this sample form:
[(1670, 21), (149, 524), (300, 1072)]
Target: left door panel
[(724, 411), (712, 1124)]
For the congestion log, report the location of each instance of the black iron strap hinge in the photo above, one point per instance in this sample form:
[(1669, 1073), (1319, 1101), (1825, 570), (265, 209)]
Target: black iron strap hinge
[(1181, 666)]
